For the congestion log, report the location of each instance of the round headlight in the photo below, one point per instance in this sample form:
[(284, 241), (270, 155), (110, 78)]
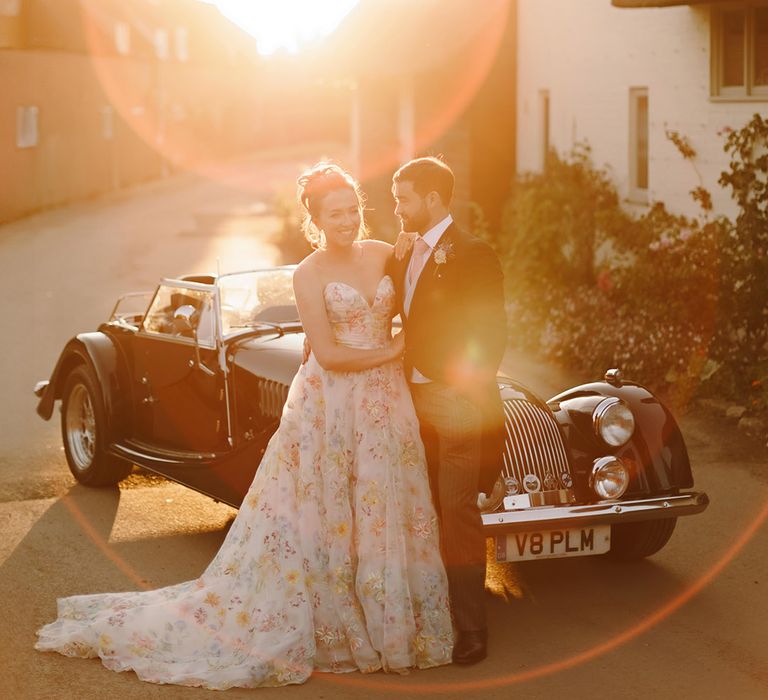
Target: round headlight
[(614, 422), (610, 477)]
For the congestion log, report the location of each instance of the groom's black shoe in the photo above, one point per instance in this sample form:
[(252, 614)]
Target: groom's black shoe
[(470, 647)]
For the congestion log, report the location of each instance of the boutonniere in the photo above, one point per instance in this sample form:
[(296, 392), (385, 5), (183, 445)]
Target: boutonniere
[(442, 254)]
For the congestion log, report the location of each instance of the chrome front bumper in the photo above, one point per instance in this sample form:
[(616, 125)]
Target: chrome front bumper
[(604, 513)]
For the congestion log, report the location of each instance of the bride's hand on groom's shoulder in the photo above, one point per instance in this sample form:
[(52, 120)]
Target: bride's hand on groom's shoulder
[(404, 243)]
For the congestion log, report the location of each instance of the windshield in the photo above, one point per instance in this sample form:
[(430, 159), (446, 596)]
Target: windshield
[(260, 296), (129, 309), (161, 315)]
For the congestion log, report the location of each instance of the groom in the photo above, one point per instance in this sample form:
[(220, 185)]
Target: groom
[(451, 298)]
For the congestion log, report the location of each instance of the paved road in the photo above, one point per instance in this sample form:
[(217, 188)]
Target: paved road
[(689, 622)]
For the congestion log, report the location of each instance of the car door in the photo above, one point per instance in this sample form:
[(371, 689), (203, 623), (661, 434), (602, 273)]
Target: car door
[(180, 388)]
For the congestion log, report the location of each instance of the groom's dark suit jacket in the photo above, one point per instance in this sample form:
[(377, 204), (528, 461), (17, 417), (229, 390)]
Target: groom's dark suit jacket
[(456, 330)]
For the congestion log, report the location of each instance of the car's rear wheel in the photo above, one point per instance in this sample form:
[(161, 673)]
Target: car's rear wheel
[(638, 540), (83, 431)]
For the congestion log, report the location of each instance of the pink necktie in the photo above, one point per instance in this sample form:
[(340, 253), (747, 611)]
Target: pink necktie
[(419, 256)]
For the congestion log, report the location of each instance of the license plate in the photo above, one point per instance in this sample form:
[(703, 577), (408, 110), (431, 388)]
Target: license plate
[(551, 544)]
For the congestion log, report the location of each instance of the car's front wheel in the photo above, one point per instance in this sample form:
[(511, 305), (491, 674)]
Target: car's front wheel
[(83, 431), (638, 540)]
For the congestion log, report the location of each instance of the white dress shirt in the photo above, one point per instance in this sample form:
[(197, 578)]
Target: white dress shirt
[(431, 238)]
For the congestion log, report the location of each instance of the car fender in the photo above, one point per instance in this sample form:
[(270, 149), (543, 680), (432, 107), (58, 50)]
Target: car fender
[(657, 443), (99, 351)]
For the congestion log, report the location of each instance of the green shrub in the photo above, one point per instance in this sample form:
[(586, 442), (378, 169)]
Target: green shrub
[(680, 304)]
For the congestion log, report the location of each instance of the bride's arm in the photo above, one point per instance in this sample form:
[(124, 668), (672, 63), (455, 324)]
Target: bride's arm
[(404, 243), (330, 354)]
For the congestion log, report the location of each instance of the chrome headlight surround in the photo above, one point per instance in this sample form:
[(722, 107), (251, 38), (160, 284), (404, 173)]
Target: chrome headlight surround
[(609, 478), (614, 421)]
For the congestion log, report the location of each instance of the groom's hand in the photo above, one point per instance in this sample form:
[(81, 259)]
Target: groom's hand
[(404, 243)]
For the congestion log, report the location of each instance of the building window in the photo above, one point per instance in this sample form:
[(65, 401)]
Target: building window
[(26, 127), (638, 144), (182, 44), (161, 44), (122, 38), (107, 123), (740, 51), (10, 8), (544, 116)]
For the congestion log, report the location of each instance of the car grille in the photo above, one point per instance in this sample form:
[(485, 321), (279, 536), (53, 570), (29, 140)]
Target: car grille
[(271, 397), (533, 447)]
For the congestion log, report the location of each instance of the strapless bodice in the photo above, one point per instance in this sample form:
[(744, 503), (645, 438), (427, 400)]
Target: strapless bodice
[(355, 322)]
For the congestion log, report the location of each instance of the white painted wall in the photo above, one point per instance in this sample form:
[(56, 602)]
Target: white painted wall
[(588, 54)]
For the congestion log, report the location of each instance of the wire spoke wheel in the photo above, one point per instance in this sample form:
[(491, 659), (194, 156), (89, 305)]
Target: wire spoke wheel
[(84, 431), (81, 427)]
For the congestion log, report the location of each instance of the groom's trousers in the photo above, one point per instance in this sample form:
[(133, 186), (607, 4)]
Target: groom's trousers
[(451, 428)]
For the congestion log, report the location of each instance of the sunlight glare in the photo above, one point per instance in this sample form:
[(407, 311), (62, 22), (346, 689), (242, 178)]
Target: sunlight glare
[(286, 25)]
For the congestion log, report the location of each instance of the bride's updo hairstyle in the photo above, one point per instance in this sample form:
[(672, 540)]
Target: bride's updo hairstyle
[(316, 182)]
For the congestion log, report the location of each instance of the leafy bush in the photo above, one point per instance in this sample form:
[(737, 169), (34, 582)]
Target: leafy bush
[(742, 342), (680, 304)]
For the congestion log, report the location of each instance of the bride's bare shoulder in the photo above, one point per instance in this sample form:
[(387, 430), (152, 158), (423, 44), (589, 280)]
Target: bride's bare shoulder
[(381, 249), (306, 271), (375, 243)]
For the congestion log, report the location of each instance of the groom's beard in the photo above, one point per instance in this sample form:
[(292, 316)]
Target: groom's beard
[(418, 222)]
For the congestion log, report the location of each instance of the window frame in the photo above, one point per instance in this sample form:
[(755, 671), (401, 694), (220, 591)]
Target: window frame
[(545, 125), (162, 44), (27, 126), (122, 36), (636, 193), (107, 115), (10, 8), (181, 44), (749, 92)]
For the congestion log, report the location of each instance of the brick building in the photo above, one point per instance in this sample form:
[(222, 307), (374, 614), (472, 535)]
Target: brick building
[(101, 94)]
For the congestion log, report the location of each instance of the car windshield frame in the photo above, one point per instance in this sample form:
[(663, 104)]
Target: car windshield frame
[(230, 330), (121, 319), (211, 289)]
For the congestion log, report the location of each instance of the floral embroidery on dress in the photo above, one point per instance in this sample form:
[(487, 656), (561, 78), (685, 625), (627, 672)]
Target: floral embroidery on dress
[(332, 563)]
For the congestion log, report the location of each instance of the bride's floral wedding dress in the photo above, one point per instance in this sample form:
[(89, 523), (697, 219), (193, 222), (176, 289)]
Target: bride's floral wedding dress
[(332, 563)]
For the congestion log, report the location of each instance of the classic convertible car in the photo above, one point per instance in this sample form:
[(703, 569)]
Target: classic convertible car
[(190, 381)]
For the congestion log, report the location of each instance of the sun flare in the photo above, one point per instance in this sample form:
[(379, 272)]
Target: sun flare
[(287, 25)]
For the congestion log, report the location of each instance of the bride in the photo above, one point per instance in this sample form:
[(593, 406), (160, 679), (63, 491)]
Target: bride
[(333, 561)]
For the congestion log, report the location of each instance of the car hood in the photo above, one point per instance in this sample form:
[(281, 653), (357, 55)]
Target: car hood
[(273, 357), (277, 357)]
